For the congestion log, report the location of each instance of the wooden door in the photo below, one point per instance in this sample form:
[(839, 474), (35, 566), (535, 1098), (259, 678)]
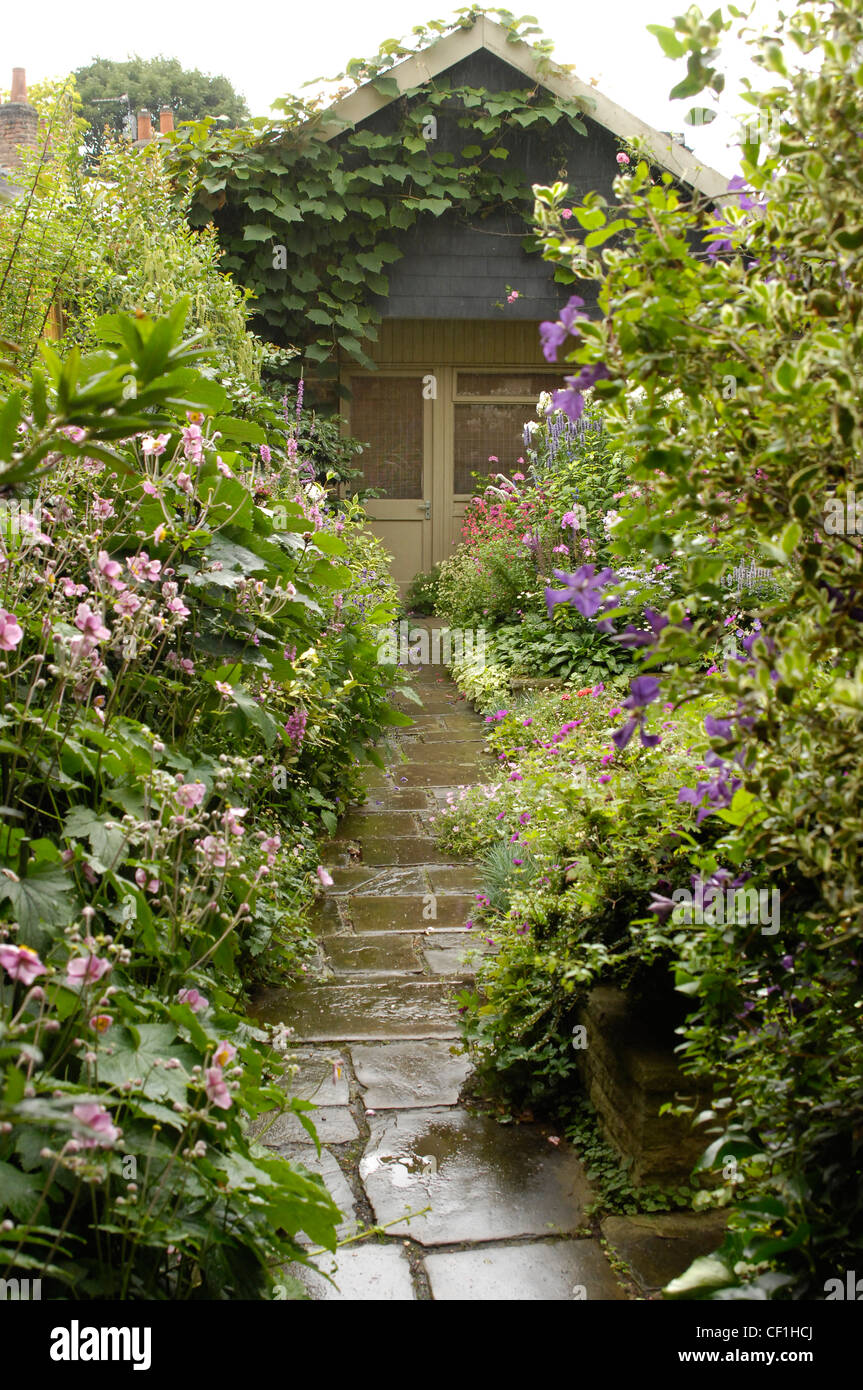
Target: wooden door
[(487, 409), (389, 412)]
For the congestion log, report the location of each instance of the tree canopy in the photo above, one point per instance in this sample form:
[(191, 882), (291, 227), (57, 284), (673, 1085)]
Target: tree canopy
[(149, 84)]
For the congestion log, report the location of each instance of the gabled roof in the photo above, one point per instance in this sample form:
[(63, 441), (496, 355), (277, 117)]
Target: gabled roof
[(486, 34)]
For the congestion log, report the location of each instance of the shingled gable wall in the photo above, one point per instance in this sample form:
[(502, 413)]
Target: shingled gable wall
[(458, 268)]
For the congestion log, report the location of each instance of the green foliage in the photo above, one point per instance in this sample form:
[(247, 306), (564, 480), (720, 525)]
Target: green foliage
[(156, 616), (311, 208), (112, 94), (422, 596), (744, 337)]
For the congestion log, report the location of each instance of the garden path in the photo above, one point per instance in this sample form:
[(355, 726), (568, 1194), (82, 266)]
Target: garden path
[(503, 1206)]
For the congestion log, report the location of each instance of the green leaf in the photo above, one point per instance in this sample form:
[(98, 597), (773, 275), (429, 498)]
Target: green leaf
[(671, 45), (106, 837), (256, 231), (40, 900), (19, 1192), (135, 1053)]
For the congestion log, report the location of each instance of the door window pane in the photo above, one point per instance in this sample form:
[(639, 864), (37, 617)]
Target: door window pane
[(481, 430), (527, 384), (387, 413)]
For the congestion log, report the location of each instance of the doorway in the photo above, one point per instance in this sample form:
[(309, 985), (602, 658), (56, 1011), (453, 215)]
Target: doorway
[(427, 431)]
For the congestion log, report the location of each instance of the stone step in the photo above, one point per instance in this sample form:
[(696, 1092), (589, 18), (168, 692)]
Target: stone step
[(483, 1181), (409, 914), (361, 1012)]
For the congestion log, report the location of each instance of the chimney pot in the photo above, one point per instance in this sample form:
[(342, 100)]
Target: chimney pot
[(19, 85), (145, 126), (166, 120)]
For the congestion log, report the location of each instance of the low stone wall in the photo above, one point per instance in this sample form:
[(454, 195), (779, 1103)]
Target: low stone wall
[(629, 1074)]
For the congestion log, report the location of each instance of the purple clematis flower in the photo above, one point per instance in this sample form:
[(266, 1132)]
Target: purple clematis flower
[(571, 400), (583, 589), (718, 728), (554, 332), (637, 637)]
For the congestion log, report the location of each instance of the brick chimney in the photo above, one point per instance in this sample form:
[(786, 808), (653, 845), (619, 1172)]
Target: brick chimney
[(145, 127), (166, 120), (19, 123)]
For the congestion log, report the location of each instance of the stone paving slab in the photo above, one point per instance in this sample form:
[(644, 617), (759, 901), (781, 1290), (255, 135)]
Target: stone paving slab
[(321, 1076), (333, 1125), (408, 850), (563, 1272), (410, 914), (362, 1273), (658, 1247), (374, 879), (436, 775), (403, 1076), (463, 879), (377, 954), (324, 918), (392, 824), (449, 960), (394, 799), (362, 1012), (483, 1181)]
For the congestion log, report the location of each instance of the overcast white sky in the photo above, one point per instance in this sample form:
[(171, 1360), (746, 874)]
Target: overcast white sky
[(267, 49)]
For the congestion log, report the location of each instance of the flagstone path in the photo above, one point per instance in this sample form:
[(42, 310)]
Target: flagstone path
[(474, 1210)]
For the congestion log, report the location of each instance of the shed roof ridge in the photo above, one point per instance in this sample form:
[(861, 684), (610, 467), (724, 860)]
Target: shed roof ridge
[(448, 49)]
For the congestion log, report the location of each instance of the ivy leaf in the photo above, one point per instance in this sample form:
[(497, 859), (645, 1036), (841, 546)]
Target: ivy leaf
[(256, 231)]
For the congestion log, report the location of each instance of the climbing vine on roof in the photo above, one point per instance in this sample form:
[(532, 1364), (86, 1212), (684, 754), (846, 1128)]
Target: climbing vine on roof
[(309, 209)]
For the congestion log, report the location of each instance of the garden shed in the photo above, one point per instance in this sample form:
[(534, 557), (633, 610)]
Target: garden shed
[(457, 364)]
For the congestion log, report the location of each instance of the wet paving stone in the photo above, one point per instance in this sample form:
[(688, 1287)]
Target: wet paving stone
[(395, 799), (412, 914), (324, 918), (414, 850), (403, 1076), (379, 880), (450, 960), (375, 955), (483, 1181), (390, 824), (436, 774), (362, 1012), (367, 1273), (563, 1272), (462, 879), (333, 1125), (321, 1076)]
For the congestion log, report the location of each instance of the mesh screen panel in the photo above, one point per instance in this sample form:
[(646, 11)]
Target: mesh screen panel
[(508, 383), (387, 414), (481, 430)]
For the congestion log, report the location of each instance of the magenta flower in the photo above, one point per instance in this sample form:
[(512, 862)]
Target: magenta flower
[(10, 631), (213, 851), (84, 970), (325, 877), (622, 157), (21, 963), (217, 1089), (98, 1120), (265, 453), (191, 794), (195, 1000), (224, 1053), (90, 622)]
